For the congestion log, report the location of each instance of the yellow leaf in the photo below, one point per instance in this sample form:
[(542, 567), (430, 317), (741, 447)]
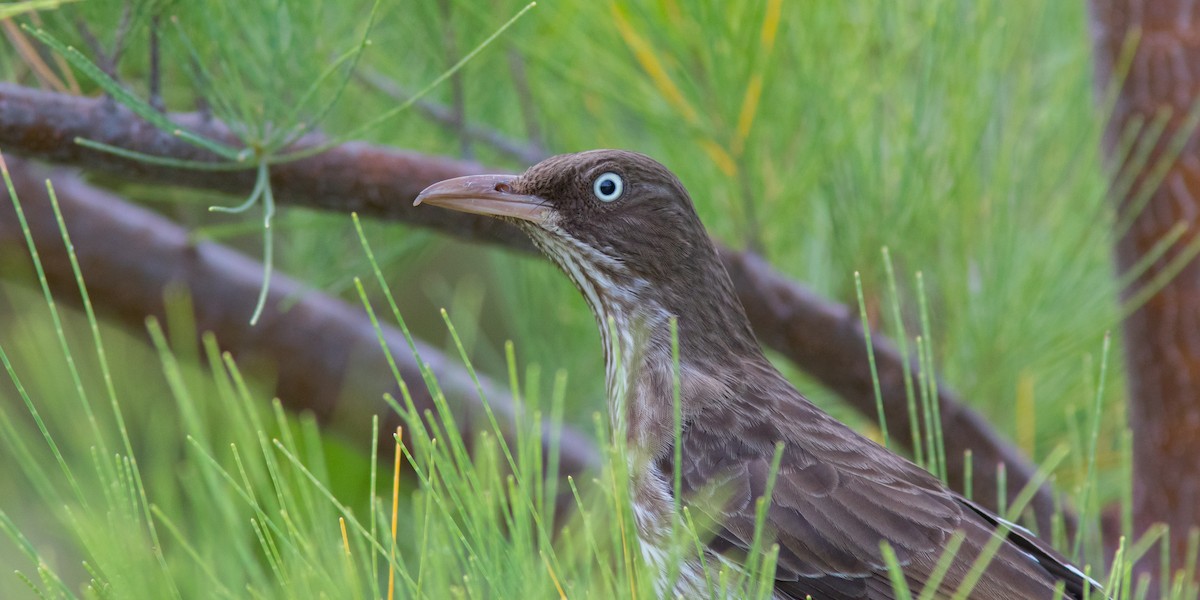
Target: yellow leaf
[(1026, 414), (753, 95), (720, 157), (770, 25), (749, 109), (651, 65)]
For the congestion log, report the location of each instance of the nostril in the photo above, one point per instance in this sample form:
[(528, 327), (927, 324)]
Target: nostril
[(503, 188)]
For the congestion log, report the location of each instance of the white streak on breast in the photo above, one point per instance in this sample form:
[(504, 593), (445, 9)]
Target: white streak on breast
[(616, 299)]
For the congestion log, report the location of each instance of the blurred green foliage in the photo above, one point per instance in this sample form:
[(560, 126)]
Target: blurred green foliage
[(963, 135)]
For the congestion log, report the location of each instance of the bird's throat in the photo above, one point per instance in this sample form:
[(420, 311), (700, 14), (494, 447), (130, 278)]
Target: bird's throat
[(634, 330), (630, 356), (635, 319)]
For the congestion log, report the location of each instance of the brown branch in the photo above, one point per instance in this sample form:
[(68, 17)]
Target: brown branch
[(820, 337), (323, 354)]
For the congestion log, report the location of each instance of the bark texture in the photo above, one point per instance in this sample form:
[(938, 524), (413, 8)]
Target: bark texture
[(1162, 337)]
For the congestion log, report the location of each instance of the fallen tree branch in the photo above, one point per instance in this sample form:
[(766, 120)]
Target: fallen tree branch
[(820, 337), (324, 354)]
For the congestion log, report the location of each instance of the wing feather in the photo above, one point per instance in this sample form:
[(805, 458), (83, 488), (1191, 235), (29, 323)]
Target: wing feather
[(836, 497)]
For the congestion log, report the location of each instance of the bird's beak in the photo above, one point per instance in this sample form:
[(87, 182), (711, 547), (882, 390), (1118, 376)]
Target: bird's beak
[(490, 195)]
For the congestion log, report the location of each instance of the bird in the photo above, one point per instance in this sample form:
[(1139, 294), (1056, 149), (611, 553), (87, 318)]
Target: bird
[(624, 229)]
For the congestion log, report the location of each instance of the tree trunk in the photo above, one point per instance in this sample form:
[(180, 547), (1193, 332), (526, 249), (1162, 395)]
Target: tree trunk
[(1162, 337)]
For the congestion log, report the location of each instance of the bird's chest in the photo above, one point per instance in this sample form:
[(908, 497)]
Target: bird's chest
[(639, 377), (668, 546), (650, 495), (656, 522)]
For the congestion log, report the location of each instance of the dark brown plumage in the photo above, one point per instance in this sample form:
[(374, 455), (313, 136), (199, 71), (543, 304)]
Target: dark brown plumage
[(623, 228)]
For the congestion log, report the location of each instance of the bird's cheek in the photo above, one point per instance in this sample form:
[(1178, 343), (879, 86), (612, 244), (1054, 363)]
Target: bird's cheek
[(554, 223)]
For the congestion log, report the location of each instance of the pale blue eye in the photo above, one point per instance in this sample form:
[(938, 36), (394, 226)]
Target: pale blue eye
[(608, 187)]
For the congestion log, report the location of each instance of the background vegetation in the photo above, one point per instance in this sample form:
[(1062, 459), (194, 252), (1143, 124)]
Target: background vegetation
[(963, 136)]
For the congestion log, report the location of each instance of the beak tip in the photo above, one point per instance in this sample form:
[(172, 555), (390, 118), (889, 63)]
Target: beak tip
[(421, 197)]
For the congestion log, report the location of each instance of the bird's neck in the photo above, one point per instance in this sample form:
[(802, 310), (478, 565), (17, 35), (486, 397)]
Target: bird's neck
[(638, 366), (635, 315), (712, 341)]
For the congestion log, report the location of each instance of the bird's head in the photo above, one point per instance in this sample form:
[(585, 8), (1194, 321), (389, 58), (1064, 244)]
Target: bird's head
[(611, 213), (623, 228)]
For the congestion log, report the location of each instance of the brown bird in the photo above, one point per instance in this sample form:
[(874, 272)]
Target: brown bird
[(624, 230)]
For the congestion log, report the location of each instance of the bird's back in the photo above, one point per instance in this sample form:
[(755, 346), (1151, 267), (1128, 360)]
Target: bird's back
[(836, 497)]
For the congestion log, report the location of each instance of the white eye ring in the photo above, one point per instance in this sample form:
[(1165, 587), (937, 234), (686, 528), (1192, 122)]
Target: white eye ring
[(608, 187)]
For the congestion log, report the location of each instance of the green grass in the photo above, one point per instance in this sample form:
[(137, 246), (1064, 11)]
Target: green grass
[(963, 136), (243, 506)]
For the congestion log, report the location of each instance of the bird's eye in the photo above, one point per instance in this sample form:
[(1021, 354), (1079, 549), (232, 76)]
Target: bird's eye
[(608, 187)]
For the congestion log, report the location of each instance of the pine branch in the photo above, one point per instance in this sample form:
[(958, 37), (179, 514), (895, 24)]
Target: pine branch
[(819, 336)]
